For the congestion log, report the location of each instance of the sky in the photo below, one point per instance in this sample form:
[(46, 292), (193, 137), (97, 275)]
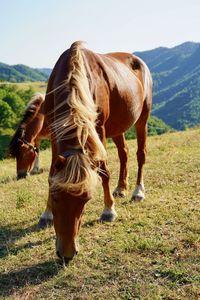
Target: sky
[(36, 32)]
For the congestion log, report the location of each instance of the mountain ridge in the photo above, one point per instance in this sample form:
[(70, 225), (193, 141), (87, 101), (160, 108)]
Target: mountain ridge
[(176, 82), (176, 88), (21, 73)]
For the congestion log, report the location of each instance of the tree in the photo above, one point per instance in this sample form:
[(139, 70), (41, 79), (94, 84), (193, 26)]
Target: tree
[(26, 95), (7, 116), (15, 102)]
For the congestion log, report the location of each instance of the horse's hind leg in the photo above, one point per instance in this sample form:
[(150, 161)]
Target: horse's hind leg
[(141, 131), (122, 148)]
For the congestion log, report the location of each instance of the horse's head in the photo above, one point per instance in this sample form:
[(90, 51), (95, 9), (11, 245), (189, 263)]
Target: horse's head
[(71, 187), (67, 214), (22, 146), (25, 157), (25, 152)]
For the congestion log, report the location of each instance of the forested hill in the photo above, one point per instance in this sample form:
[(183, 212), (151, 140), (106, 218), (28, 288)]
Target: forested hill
[(176, 89), (20, 73), (176, 77)]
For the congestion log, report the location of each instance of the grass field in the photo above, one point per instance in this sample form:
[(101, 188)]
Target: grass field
[(37, 86), (152, 251)]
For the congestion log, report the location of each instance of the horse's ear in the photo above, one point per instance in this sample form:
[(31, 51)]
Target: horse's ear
[(60, 162)]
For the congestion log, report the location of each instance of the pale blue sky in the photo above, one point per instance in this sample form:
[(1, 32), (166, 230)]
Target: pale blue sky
[(36, 32)]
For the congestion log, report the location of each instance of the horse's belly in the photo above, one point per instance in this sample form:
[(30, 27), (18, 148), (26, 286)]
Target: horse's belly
[(124, 112)]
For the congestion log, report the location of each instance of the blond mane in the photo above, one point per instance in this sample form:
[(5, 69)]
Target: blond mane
[(37, 99), (77, 120)]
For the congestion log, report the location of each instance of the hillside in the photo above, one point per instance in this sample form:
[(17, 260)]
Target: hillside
[(13, 101), (150, 252), (21, 73), (46, 71), (176, 77), (176, 90)]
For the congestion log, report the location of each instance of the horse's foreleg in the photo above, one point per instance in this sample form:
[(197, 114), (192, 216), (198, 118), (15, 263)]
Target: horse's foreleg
[(141, 131), (36, 166), (122, 148), (46, 218), (109, 213)]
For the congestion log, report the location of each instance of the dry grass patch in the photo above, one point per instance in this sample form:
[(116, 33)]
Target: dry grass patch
[(150, 252)]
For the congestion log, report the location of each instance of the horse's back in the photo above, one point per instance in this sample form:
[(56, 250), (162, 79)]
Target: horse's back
[(116, 82), (117, 85)]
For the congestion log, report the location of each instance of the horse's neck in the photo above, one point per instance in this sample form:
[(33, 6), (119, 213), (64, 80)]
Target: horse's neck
[(34, 129)]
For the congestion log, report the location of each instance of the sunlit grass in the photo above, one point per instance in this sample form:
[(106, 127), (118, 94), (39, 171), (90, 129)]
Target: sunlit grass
[(150, 252), (36, 86)]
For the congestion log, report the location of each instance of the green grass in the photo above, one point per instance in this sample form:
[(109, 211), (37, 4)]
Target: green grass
[(37, 86), (150, 252)]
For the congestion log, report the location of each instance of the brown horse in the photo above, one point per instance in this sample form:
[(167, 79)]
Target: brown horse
[(91, 97), (24, 145)]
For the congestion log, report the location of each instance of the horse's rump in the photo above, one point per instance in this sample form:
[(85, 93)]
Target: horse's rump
[(119, 83)]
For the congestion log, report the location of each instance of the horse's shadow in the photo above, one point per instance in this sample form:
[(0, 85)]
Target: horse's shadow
[(9, 234), (10, 281), (90, 223), (33, 275)]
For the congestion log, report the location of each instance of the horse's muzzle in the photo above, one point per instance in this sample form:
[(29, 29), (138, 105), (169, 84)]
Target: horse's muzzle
[(65, 260), (22, 174), (69, 253)]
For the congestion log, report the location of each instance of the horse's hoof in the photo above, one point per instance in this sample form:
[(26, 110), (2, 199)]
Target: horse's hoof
[(40, 171), (44, 223), (35, 171), (138, 194), (137, 198), (107, 218), (108, 215), (119, 193)]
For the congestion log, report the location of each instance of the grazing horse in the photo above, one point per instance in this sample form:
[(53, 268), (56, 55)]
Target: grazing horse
[(91, 97), (24, 145)]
